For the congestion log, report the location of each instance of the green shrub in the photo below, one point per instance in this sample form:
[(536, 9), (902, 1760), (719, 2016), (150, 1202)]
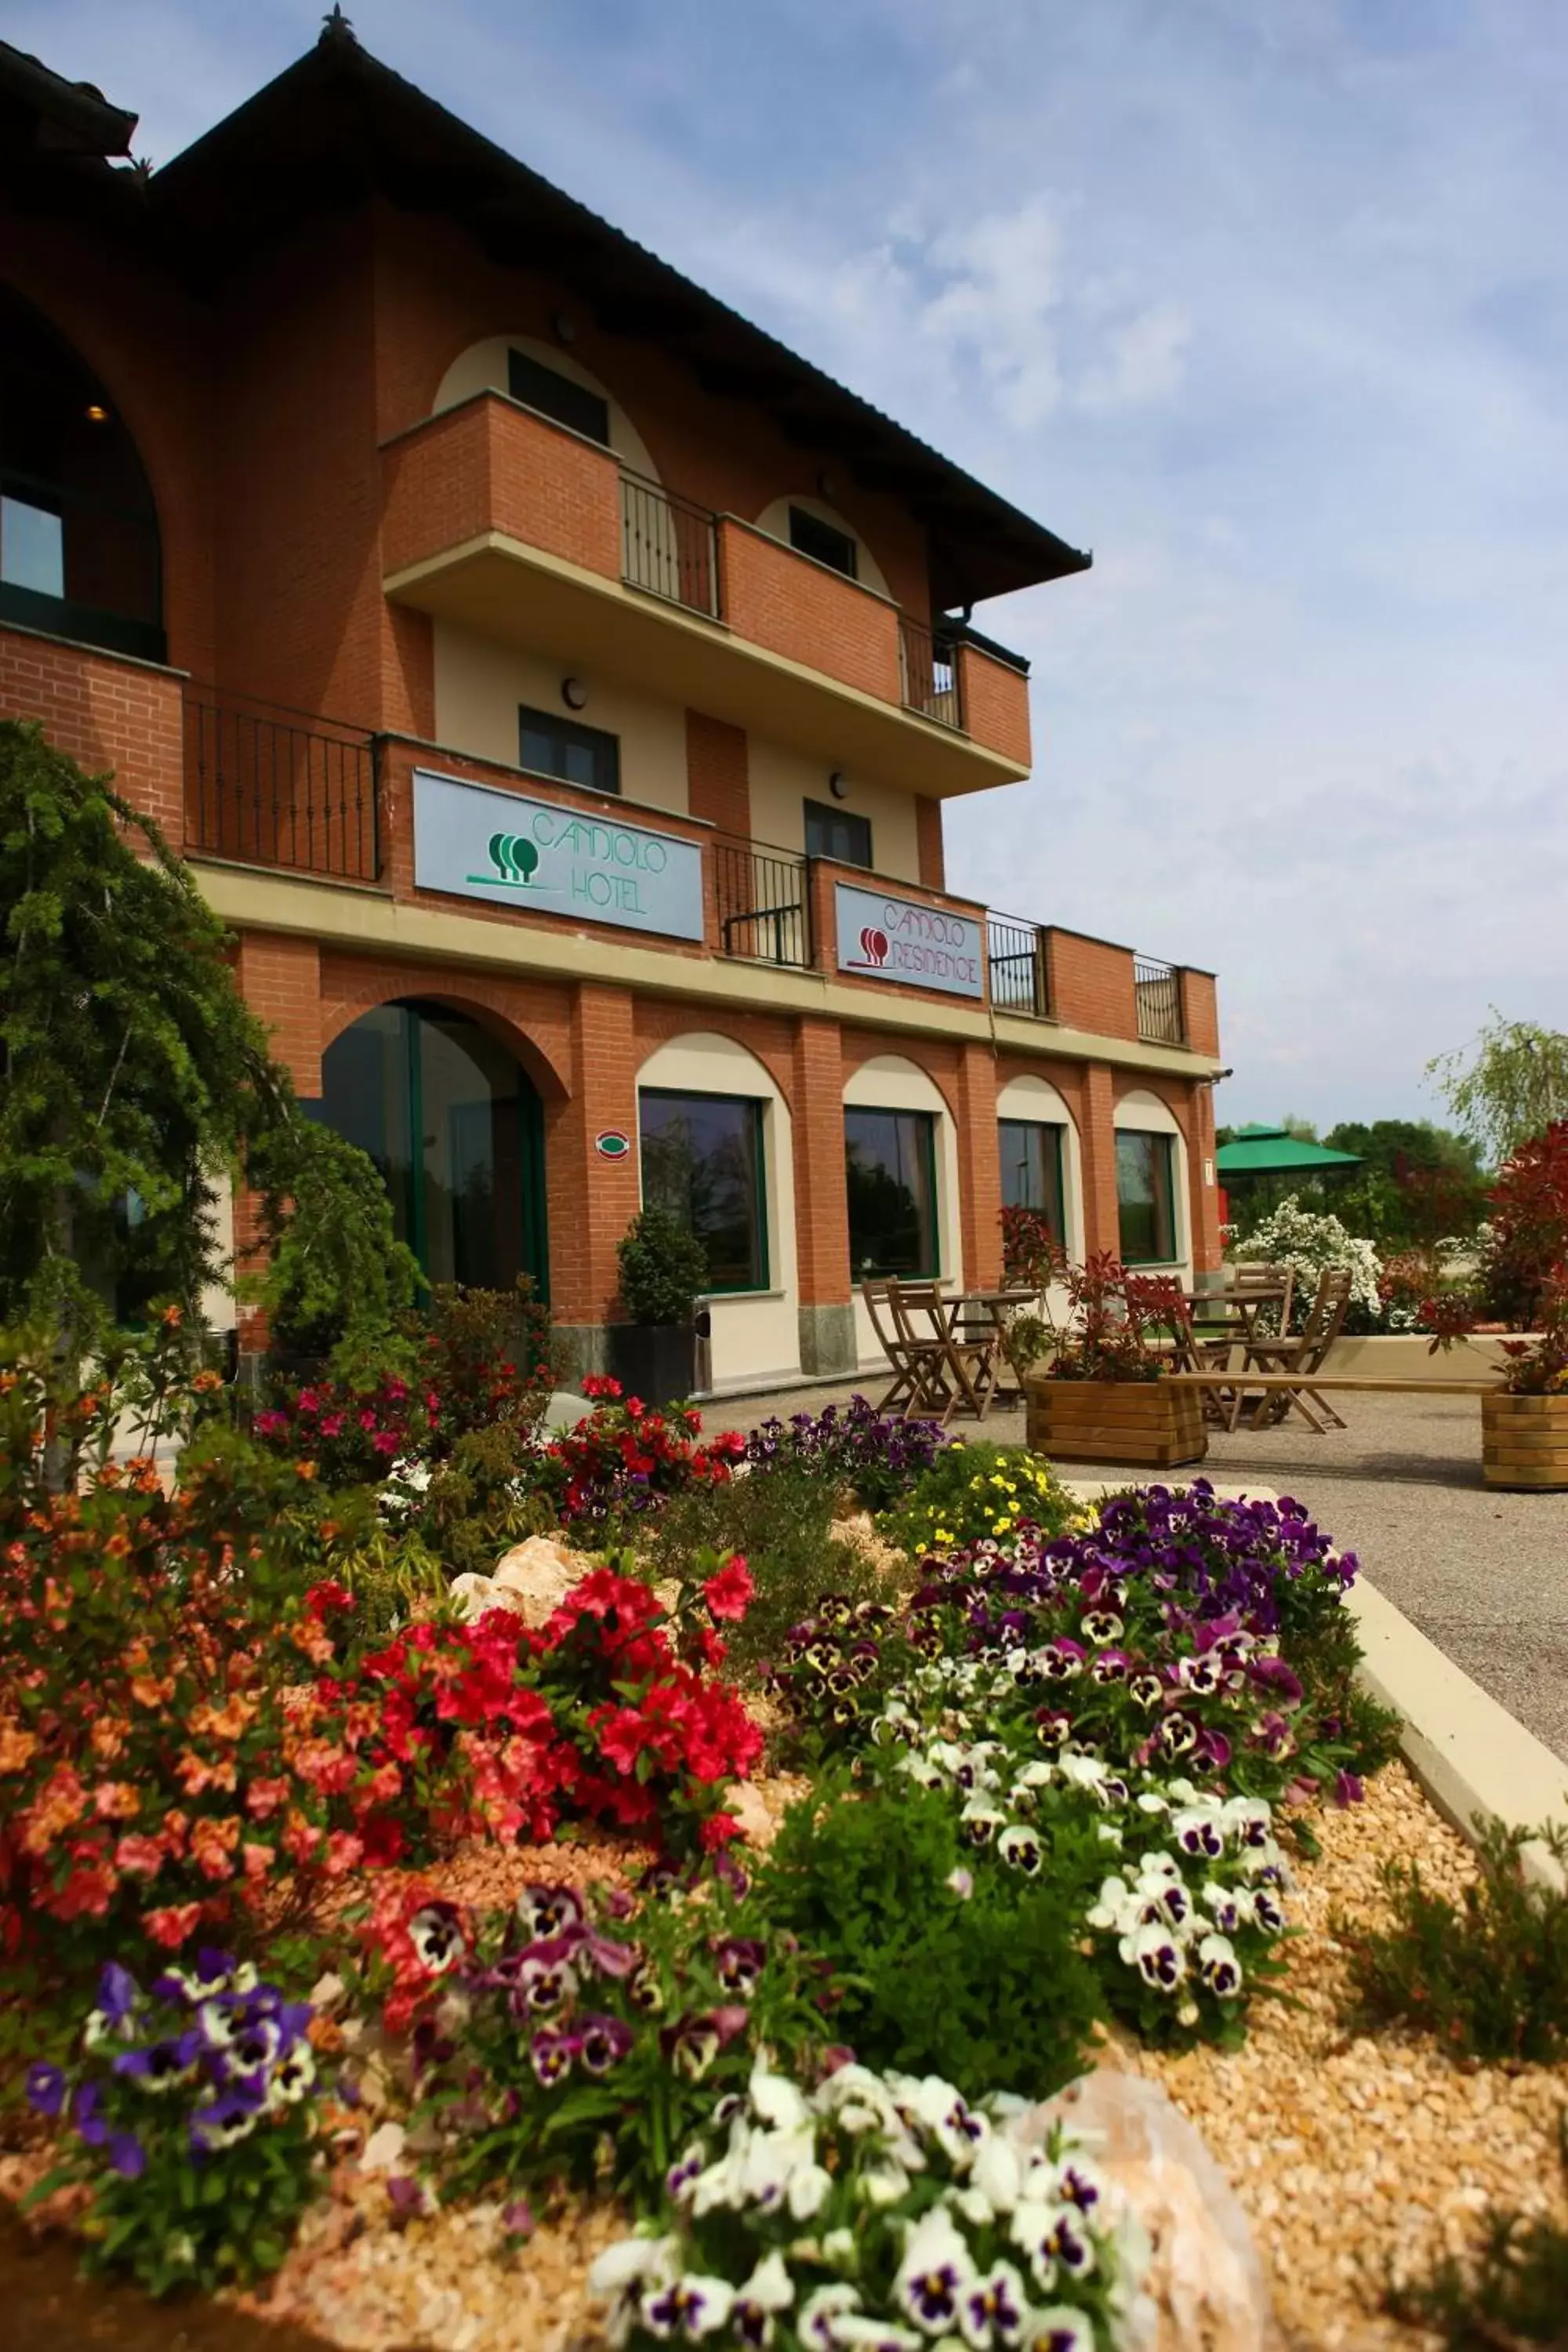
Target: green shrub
[(1490, 1975), (663, 1268), (983, 1986), (974, 1491), (778, 1520)]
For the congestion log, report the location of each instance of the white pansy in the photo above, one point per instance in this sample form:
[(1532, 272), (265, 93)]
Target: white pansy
[(997, 2173), (776, 2100), (816, 2327)]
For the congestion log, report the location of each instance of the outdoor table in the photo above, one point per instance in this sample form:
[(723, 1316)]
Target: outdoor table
[(981, 1315)]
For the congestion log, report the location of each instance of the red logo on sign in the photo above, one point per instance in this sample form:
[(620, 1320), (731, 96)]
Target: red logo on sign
[(874, 945)]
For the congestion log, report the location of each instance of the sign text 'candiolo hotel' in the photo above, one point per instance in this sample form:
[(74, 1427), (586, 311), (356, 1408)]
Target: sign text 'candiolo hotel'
[(898, 939), (482, 844)]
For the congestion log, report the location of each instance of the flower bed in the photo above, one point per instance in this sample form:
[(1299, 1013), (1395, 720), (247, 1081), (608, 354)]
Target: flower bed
[(1064, 1787)]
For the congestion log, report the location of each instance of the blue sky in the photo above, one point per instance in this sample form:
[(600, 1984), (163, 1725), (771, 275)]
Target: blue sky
[(1264, 300)]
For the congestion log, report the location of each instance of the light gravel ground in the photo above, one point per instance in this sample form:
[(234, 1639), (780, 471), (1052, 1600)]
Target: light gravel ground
[(1483, 1574)]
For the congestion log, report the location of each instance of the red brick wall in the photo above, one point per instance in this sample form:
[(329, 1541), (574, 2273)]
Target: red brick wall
[(979, 1164), (718, 776), (821, 1202), (487, 465), (932, 851), (280, 978), (995, 699), (437, 295), (1200, 1010), (1090, 984), (808, 613), (107, 713)]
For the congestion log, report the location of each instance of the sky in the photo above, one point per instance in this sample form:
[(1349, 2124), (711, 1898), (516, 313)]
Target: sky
[(1265, 302)]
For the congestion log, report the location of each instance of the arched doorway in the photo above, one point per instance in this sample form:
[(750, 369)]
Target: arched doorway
[(455, 1126), (79, 533)]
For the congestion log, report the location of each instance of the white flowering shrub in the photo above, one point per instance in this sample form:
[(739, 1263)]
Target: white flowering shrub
[(1311, 1242), (876, 2213)]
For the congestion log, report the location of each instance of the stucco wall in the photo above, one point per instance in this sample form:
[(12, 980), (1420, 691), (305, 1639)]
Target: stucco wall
[(480, 684), (783, 781)]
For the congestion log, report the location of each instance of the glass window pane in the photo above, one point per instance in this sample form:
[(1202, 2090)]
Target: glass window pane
[(1031, 1153), (835, 833), (365, 1098), (1144, 1198), (32, 548), (811, 536), (472, 1144), (702, 1160), (547, 746), (557, 395), (889, 1158)]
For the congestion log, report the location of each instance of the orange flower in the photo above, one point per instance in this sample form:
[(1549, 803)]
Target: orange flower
[(195, 1774), (116, 1801), (258, 1859), (212, 1843), (172, 1923), (151, 1691), (62, 1801), (17, 1748), (308, 1636), (263, 1797), (143, 1857), (107, 1737), (227, 1722)]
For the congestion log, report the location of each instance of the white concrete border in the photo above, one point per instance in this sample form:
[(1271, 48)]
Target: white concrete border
[(1469, 1753)]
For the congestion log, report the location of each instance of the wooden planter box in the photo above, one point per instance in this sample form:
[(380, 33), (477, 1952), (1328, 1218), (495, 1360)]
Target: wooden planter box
[(1524, 1441), (1142, 1422)]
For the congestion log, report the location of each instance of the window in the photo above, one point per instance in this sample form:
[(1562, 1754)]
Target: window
[(1032, 1170), (455, 1132), (32, 548), (891, 1163), (809, 535), (556, 395), (1145, 1195), (547, 746), (702, 1160), (834, 833), (78, 534)]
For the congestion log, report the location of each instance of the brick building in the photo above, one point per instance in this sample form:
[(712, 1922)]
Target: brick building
[(556, 683)]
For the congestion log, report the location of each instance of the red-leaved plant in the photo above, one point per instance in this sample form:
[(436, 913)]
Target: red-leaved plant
[(1117, 1317)]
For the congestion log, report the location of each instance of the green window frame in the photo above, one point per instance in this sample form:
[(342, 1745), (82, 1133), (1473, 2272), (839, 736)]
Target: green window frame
[(890, 1175), (1033, 1156), (571, 753), (1146, 1197), (838, 833), (704, 1159)]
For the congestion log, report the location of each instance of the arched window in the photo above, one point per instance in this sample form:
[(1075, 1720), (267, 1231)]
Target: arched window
[(79, 533), (454, 1125)]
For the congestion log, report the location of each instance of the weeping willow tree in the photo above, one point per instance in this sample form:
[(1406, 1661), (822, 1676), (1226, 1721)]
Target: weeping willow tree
[(134, 1079), (1509, 1087)]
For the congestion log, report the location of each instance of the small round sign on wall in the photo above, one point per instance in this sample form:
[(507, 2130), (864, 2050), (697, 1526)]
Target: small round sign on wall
[(612, 1143)]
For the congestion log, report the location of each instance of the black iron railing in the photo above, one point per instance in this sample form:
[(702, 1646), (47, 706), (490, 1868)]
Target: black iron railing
[(765, 908), (928, 673), (669, 546), (274, 787), (1016, 951), (1158, 989)]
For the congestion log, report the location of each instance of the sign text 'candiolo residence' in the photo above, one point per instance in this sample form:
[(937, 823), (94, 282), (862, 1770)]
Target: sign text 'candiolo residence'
[(900, 939), (482, 844)]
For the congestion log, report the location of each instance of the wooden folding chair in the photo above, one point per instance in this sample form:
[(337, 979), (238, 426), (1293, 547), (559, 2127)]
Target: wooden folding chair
[(904, 1357), (1301, 1356), (954, 1370)]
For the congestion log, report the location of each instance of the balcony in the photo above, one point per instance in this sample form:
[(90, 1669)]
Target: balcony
[(266, 786), (501, 522), (1158, 991)]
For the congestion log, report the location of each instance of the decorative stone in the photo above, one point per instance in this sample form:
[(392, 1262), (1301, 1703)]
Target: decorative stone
[(538, 1575), (475, 1594), (1205, 2290), (383, 2151)]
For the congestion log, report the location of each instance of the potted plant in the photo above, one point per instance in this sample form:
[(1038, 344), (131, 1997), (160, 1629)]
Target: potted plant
[(1102, 1397), (1524, 1420), (663, 1269)]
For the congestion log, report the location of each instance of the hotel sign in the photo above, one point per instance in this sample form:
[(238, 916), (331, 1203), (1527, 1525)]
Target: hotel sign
[(900, 940), (483, 844)]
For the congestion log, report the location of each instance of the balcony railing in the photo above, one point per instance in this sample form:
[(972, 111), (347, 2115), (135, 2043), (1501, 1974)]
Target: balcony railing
[(1017, 952), (928, 672), (1158, 989), (271, 787), (670, 547), (764, 907)]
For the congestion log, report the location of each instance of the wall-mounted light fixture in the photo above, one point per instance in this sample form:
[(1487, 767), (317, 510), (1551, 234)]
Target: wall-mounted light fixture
[(826, 485), (574, 693), (96, 413), (565, 326), (839, 785)]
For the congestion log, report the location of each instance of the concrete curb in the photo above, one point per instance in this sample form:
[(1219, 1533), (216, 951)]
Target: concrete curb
[(1469, 1753)]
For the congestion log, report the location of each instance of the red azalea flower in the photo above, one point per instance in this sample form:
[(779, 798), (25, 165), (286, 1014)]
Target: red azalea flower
[(729, 1592), (718, 1830)]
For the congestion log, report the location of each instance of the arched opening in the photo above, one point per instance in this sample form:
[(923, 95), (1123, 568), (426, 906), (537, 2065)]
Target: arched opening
[(78, 532), (455, 1125)]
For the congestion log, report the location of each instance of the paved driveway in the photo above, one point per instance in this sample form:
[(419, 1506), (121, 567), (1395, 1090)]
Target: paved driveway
[(1484, 1575)]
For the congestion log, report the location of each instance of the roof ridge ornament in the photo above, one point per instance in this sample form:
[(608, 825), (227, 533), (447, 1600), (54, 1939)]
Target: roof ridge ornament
[(336, 29)]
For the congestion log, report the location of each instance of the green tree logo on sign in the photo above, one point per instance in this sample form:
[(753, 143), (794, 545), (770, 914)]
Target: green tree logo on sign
[(515, 860)]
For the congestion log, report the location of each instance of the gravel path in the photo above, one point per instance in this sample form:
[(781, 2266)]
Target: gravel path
[(1484, 1575)]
